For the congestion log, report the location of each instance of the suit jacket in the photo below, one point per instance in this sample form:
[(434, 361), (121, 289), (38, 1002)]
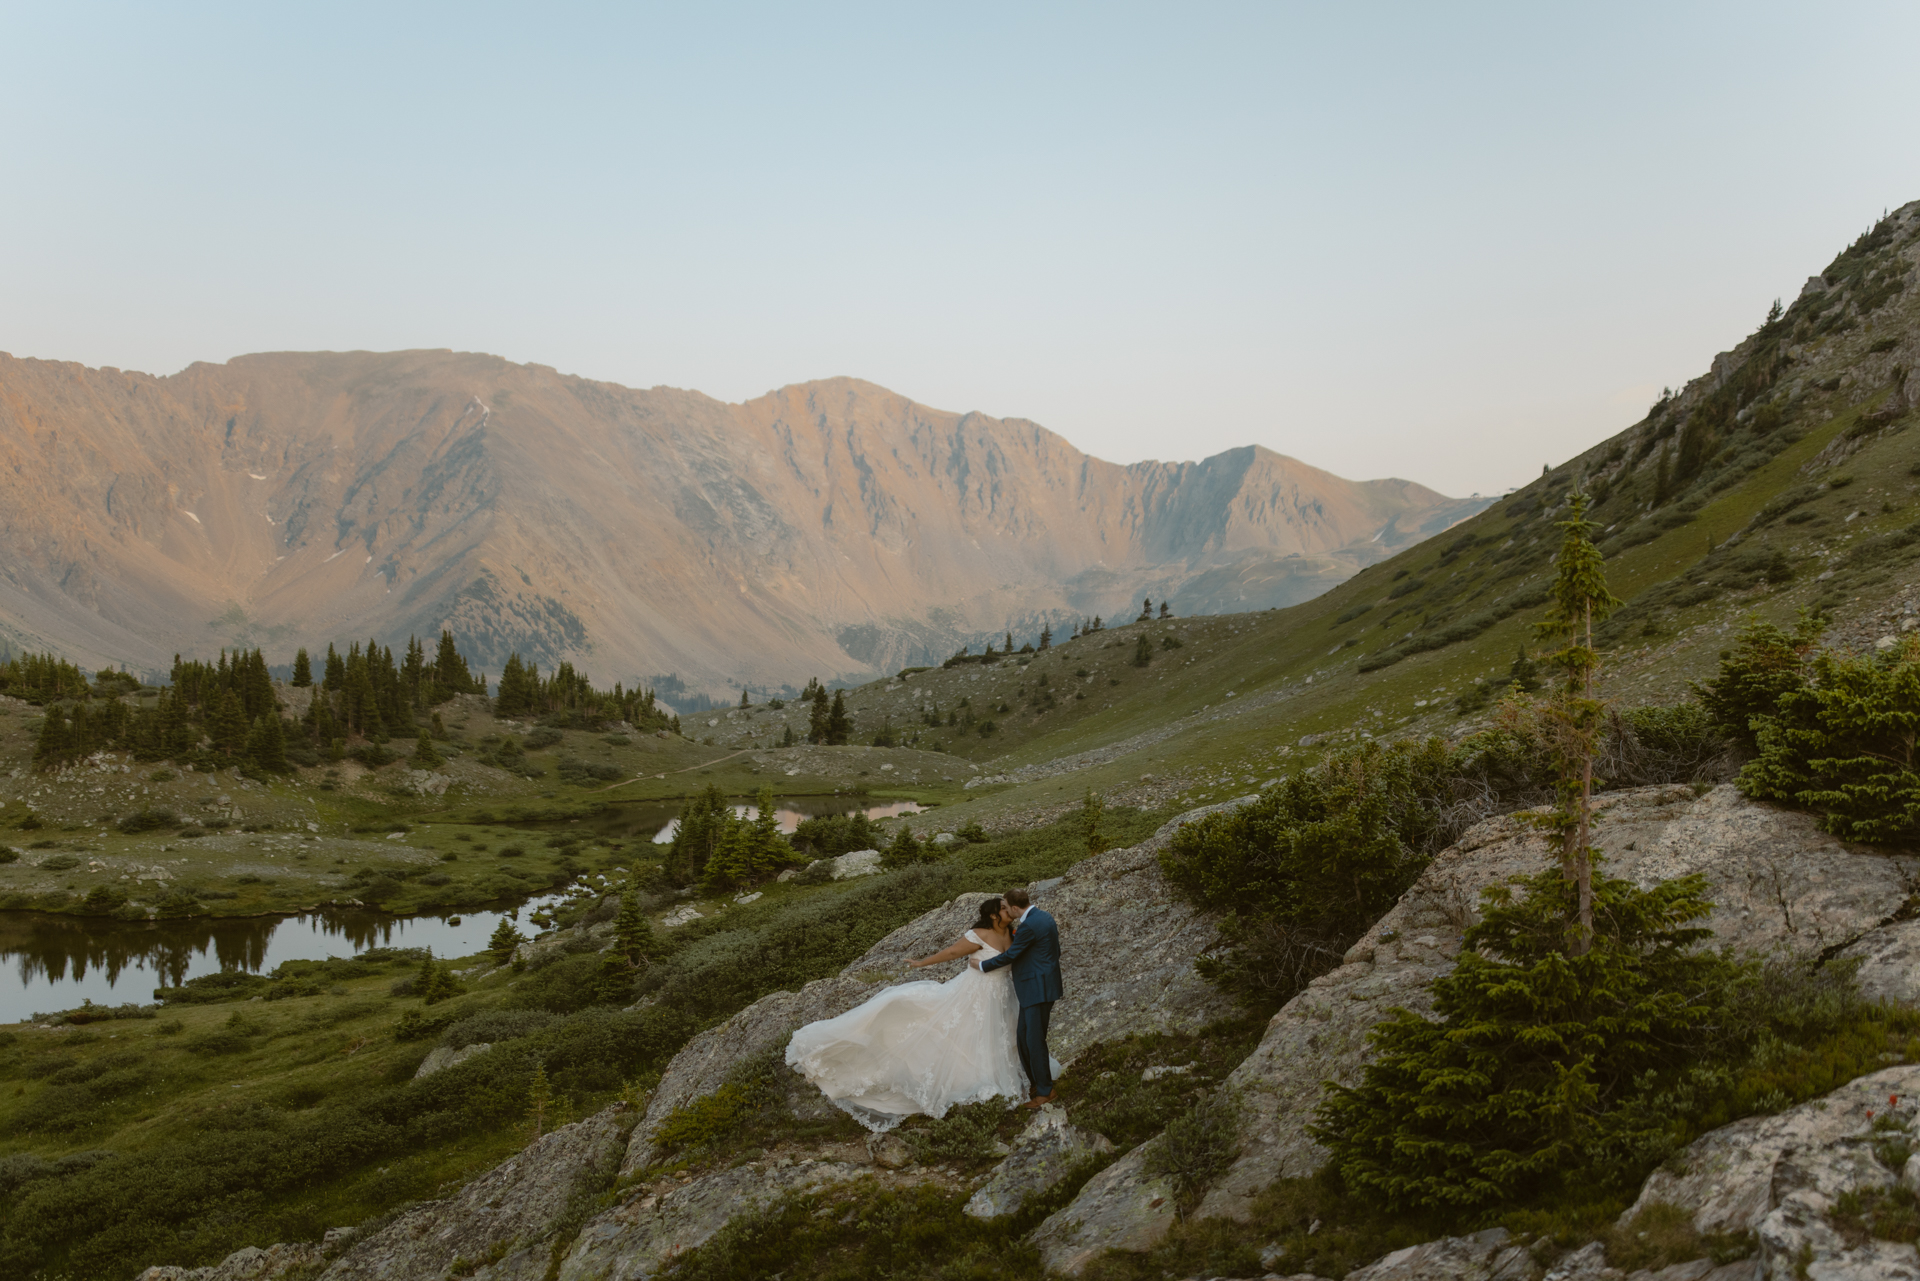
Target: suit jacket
[(1034, 955)]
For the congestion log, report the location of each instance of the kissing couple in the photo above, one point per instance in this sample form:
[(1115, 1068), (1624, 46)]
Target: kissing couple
[(927, 1046)]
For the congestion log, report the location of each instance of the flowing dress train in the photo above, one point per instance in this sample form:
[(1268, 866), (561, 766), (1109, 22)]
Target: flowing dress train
[(921, 1047)]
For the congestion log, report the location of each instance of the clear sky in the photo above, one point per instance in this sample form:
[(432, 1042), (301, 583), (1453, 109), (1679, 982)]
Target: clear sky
[(1445, 242)]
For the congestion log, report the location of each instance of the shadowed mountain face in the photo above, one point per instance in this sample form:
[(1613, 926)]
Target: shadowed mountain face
[(830, 528)]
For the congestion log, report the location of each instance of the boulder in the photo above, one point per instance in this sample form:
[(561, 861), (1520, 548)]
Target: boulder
[(648, 1229), (681, 915), (1121, 1208), (249, 1263), (1777, 883), (1484, 1256), (503, 1215), (889, 1151), (857, 863), (1046, 1152), (426, 782), (445, 1056), (1127, 948)]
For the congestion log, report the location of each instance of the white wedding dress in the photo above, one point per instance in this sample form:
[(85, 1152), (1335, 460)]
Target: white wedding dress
[(921, 1047)]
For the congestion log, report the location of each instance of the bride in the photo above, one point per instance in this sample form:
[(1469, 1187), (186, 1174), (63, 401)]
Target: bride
[(922, 1047)]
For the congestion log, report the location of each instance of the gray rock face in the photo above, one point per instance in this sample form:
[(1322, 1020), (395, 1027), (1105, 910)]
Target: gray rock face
[(1777, 882), (513, 1206), (1779, 1177), (249, 1263), (1120, 1208), (1484, 1256), (857, 863), (1889, 962), (637, 1238), (444, 1057), (1127, 947), (1046, 1151)]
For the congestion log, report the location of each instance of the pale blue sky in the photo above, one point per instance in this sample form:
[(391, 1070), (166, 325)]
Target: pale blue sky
[(1447, 242)]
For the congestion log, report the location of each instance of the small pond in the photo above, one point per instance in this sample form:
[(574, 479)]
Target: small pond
[(57, 961)]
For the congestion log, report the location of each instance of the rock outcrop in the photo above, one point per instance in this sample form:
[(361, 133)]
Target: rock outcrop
[(1777, 882), (249, 1263), (1121, 1208), (1127, 947), (637, 1237), (445, 1056), (497, 1227), (1046, 1152)]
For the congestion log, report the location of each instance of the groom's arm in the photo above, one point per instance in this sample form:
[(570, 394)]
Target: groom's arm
[(1022, 940)]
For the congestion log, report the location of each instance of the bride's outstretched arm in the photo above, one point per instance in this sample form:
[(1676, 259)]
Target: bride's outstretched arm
[(960, 948)]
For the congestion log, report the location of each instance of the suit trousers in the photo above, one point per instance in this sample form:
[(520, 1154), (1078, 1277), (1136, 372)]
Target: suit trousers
[(1032, 1041)]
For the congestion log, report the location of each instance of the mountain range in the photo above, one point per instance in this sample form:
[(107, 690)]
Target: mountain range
[(830, 528)]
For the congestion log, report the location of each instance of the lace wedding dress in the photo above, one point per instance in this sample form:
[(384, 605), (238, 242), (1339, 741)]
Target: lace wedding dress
[(921, 1047)]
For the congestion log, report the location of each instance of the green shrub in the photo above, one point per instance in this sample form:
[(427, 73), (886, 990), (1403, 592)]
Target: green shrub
[(1765, 664), (1197, 1147), (148, 820), (1306, 869), (1843, 745), (1516, 1090), (968, 1135)]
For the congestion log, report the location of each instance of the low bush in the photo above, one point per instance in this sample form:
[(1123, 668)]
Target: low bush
[(225, 985), (1197, 1147), (1842, 744), (1303, 871), (148, 820)]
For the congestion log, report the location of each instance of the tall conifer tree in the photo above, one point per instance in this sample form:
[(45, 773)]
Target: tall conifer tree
[(1580, 599)]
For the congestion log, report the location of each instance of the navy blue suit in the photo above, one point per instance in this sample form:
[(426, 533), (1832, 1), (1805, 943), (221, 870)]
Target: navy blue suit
[(1034, 955)]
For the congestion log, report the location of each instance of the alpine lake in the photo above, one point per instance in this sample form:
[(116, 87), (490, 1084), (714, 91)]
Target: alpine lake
[(57, 961)]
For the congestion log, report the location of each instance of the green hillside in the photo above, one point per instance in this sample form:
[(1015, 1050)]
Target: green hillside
[(1783, 479)]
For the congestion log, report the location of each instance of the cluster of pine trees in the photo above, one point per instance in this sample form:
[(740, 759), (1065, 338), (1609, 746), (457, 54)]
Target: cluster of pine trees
[(569, 696), (719, 850), (829, 723), (226, 712)]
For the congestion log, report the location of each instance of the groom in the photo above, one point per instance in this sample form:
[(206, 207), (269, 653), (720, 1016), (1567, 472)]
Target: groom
[(1034, 955)]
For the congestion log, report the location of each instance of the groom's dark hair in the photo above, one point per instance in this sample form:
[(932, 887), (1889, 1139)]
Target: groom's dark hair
[(1017, 898)]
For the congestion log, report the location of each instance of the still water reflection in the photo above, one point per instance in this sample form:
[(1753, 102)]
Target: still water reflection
[(58, 961)]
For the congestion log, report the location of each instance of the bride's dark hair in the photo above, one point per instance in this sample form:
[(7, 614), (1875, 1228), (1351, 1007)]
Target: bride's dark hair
[(988, 910)]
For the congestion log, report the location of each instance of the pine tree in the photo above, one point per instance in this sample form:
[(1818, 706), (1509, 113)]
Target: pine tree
[(1046, 638), (786, 738), (51, 748), (519, 688), (436, 982), (335, 678), (817, 719), (731, 863), (258, 697), (613, 983), (1092, 810), (1523, 673), (267, 744), (505, 939), (632, 931), (539, 1099), (302, 670), (1142, 651), (743, 697), (839, 724), (1146, 610), (769, 849), (904, 851), (1579, 600), (424, 757), (228, 724), (1166, 610)]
